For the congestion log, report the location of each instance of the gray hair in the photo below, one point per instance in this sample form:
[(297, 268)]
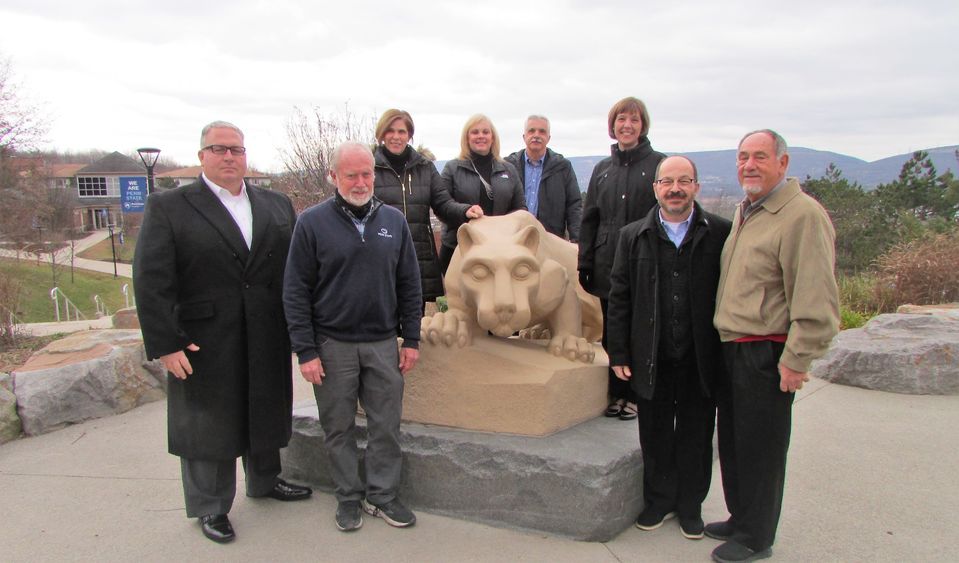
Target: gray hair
[(534, 116), (781, 148), (217, 125), (348, 146)]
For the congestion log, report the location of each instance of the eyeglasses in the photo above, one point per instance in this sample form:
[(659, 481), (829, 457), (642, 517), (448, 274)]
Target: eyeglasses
[(668, 182), (221, 149)]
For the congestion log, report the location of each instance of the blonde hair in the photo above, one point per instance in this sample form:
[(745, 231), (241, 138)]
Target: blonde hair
[(464, 138)]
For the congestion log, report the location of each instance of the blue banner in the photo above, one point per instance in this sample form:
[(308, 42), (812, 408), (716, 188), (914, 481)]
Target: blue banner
[(133, 193)]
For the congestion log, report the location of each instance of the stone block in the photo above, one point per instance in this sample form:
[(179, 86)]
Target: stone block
[(86, 375), (583, 483), (126, 319), (504, 385), (916, 354)]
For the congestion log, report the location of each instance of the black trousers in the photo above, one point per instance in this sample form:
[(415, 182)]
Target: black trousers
[(618, 389), (676, 435), (210, 486), (755, 421), (446, 255)]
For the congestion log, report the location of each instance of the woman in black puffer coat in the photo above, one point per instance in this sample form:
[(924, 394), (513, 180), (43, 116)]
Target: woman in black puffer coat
[(620, 192), (410, 182), (479, 177)]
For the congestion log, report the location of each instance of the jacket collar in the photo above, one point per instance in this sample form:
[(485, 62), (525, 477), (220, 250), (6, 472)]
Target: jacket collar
[(778, 199), (416, 159), (635, 154), (651, 221)]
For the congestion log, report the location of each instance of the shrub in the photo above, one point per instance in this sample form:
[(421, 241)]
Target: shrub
[(851, 319), (921, 272), (857, 294)]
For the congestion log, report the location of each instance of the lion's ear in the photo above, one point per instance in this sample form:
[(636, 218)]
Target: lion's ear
[(528, 236), (467, 236)]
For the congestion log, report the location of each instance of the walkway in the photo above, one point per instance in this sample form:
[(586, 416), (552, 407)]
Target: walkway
[(123, 270), (872, 477)]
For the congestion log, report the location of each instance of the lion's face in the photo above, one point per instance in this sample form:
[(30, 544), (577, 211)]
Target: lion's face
[(500, 277)]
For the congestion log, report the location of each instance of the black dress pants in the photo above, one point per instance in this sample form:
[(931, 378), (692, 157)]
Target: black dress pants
[(676, 435), (755, 421)]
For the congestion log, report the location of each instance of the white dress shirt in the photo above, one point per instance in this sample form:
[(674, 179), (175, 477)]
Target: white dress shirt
[(238, 206)]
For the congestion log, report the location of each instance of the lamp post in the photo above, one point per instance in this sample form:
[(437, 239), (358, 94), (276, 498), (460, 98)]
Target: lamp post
[(149, 157), (114, 249), (39, 227)]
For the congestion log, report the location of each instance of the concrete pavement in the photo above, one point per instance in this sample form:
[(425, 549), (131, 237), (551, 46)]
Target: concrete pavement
[(872, 477)]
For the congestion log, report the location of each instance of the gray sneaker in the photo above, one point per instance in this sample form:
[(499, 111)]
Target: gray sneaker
[(349, 517), (393, 512)]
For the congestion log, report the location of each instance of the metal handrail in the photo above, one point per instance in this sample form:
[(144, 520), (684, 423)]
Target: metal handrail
[(102, 310), (125, 290), (55, 293)]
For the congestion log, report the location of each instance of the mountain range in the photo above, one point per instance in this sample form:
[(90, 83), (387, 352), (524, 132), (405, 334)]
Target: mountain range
[(717, 169)]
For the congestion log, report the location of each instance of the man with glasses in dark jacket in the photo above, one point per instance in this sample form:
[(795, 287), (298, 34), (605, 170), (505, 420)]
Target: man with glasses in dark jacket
[(661, 339), (552, 192)]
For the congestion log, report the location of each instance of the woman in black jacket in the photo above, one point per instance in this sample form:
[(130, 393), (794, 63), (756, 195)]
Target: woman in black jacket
[(410, 182), (479, 177), (620, 192)]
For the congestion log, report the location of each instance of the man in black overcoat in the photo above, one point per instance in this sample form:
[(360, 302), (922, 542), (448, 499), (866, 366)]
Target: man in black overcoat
[(661, 339), (208, 276)]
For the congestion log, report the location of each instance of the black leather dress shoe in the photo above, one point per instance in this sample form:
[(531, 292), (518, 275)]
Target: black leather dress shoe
[(288, 491), (217, 527)]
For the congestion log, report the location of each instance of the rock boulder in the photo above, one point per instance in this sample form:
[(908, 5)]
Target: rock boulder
[(915, 354), (86, 375)]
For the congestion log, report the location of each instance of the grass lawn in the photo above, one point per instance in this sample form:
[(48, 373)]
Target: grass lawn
[(101, 251), (37, 281)]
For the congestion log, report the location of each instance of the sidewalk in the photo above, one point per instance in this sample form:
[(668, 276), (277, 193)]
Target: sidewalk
[(872, 477), (63, 257)]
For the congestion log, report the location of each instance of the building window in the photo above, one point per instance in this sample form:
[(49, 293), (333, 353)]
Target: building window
[(98, 186)]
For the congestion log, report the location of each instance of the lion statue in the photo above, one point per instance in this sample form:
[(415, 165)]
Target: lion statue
[(508, 274)]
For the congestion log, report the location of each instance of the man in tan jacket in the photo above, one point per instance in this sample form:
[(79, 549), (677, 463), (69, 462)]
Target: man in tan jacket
[(777, 309)]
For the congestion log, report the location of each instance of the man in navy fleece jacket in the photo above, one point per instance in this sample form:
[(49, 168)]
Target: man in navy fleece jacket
[(352, 285)]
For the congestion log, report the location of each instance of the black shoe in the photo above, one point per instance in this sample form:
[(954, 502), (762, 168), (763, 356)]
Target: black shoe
[(691, 528), (349, 517), (629, 412), (650, 518), (732, 551), (393, 512), (614, 409), (217, 527), (288, 491), (721, 531)]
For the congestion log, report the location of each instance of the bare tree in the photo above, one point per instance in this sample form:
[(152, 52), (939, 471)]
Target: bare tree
[(312, 136), (22, 184), (22, 126)]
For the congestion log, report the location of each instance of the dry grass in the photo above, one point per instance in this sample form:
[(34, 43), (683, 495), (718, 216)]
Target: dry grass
[(920, 272)]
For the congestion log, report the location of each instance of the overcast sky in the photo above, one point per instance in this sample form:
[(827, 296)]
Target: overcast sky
[(869, 79)]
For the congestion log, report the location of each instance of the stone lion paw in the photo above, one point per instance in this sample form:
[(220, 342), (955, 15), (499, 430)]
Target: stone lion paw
[(445, 328), (572, 348)]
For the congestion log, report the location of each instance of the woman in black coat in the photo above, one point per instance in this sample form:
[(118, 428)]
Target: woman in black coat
[(480, 177), (620, 192), (410, 182)]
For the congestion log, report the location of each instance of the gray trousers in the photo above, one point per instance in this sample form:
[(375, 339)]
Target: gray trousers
[(368, 371), (209, 486)]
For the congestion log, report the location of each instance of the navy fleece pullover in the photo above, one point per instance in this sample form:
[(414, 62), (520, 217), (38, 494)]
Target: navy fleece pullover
[(347, 286)]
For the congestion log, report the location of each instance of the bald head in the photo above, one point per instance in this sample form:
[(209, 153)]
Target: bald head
[(676, 187)]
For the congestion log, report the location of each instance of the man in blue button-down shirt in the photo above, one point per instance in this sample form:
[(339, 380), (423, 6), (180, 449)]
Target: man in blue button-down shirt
[(552, 192)]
